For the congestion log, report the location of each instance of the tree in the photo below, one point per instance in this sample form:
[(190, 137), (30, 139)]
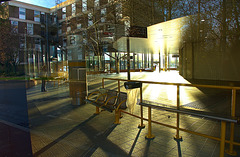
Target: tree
[(9, 56)]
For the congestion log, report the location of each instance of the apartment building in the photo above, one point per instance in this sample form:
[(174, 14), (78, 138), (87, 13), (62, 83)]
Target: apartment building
[(29, 24), (79, 30)]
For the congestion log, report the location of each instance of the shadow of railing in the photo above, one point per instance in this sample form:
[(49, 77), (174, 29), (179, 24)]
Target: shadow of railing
[(179, 147), (101, 141), (62, 137), (134, 143)]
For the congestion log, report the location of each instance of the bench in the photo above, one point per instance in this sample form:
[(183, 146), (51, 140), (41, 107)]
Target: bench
[(108, 100)]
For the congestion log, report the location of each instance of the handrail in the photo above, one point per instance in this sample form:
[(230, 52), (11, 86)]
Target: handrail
[(177, 84), (178, 110), (193, 113)]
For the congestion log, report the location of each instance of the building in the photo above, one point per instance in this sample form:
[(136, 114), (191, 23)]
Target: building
[(79, 30)]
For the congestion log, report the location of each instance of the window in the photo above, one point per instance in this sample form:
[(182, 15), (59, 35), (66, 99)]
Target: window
[(22, 13), (63, 12), (68, 29), (30, 29), (127, 26), (84, 5), (59, 30), (72, 40), (96, 3), (73, 9), (90, 19), (119, 11), (38, 44), (84, 36), (42, 18), (37, 16), (103, 14), (79, 26), (22, 42), (14, 26), (64, 42)]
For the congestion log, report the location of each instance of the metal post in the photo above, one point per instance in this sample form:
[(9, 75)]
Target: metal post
[(141, 125), (230, 151), (149, 135), (118, 86), (117, 116), (223, 134), (177, 137), (97, 110), (102, 83)]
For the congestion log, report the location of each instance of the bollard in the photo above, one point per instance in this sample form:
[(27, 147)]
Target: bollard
[(97, 110), (117, 116)]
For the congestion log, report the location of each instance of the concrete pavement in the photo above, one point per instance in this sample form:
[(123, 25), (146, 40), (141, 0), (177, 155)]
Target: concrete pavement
[(60, 129)]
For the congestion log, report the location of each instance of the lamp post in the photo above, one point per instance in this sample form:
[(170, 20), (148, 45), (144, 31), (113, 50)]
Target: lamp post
[(126, 20)]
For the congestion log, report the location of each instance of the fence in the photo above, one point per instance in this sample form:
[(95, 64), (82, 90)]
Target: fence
[(232, 120)]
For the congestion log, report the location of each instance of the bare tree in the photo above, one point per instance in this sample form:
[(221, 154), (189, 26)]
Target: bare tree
[(9, 54)]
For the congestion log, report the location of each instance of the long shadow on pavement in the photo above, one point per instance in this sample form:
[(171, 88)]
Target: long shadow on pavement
[(134, 143), (62, 137), (100, 140)]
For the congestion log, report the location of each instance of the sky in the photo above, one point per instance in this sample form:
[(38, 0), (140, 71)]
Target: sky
[(43, 3)]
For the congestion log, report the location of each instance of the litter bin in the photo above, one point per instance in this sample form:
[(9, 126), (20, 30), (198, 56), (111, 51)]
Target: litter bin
[(132, 92), (132, 85)]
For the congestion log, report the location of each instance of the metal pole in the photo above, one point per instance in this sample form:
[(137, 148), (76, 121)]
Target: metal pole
[(118, 86), (233, 109), (149, 135), (117, 116), (177, 137), (141, 125), (223, 134), (103, 83)]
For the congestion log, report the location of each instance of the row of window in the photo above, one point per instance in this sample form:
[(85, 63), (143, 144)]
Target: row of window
[(22, 14), (14, 25), (96, 4)]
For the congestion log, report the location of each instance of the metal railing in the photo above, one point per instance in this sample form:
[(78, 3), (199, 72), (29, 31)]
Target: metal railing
[(232, 120)]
